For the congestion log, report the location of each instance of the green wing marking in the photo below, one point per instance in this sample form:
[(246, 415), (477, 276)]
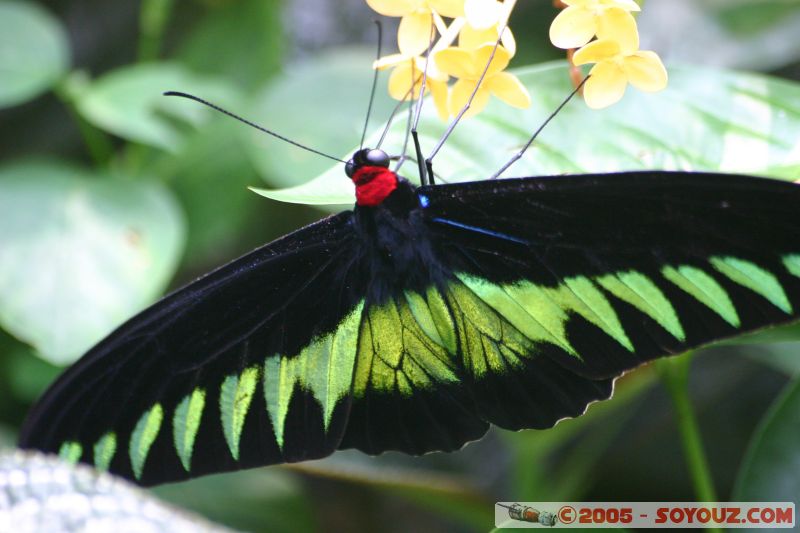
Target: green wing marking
[(186, 423), (70, 451), (705, 290), (396, 352), (755, 278), (639, 291), (324, 368), (143, 437), (792, 263), (104, 450), (234, 402)]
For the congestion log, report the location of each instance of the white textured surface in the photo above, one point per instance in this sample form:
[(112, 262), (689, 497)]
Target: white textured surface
[(41, 493)]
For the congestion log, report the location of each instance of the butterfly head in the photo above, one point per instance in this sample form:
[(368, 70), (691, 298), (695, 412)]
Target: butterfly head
[(369, 170)]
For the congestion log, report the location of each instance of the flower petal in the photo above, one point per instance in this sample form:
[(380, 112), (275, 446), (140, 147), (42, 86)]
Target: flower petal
[(448, 8), (606, 85), (414, 34), (433, 72), (471, 37), (392, 8), (440, 92), (392, 60), (400, 82), (508, 41), (459, 96), (482, 14), (509, 89), (619, 25), (573, 28), (645, 71), (500, 61), (628, 5), (456, 62), (596, 51)]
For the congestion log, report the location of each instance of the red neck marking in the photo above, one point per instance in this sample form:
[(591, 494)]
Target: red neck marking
[(373, 185)]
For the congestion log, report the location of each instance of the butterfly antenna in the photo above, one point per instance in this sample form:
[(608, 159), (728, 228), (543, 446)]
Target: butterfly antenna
[(374, 85), (519, 154), (455, 121), (249, 123), (425, 172)]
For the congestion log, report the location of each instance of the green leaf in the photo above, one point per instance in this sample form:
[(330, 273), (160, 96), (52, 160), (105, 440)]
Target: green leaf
[(223, 41), (81, 252), (267, 499), (34, 52), (322, 103), (771, 467), (706, 120), (129, 102)]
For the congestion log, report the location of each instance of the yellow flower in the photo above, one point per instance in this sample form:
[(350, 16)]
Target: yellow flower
[(484, 20), (416, 25), (583, 19), (468, 65), (618, 64), (406, 70)]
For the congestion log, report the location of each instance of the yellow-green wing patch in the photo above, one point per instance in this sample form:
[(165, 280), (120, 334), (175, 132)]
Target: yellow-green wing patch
[(755, 278), (143, 437), (705, 290)]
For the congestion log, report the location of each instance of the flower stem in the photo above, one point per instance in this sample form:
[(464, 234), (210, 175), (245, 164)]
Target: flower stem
[(153, 18), (675, 376)]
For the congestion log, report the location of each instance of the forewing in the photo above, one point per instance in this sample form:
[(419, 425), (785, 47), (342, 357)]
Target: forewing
[(249, 365), (603, 272)]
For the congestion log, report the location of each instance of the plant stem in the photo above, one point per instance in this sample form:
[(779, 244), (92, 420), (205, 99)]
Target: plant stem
[(153, 18), (675, 376), (99, 146)]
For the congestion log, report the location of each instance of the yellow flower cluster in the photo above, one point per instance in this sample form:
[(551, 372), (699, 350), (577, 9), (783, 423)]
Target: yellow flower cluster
[(462, 34), (476, 26), (615, 53)]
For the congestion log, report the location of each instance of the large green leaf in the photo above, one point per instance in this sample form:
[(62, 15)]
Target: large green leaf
[(240, 41), (322, 103), (34, 51), (771, 468), (81, 252), (129, 102), (706, 120)]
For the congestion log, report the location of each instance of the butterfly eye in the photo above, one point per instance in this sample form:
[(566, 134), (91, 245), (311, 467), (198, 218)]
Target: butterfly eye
[(350, 168), (377, 158)]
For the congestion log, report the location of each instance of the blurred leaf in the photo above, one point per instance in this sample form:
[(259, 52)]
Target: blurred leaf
[(770, 470), (44, 493), (266, 499), (81, 252), (759, 35), (129, 102), (754, 16), (241, 42), (706, 120), (210, 175), (29, 376), (782, 356), (449, 494), (34, 51), (321, 103)]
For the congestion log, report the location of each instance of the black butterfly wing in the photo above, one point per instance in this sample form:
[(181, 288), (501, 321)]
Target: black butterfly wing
[(603, 272), (250, 365)]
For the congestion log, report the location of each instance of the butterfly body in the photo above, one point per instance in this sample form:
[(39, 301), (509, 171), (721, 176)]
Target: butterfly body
[(425, 314)]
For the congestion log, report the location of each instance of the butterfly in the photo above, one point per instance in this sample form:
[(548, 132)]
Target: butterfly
[(425, 314)]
